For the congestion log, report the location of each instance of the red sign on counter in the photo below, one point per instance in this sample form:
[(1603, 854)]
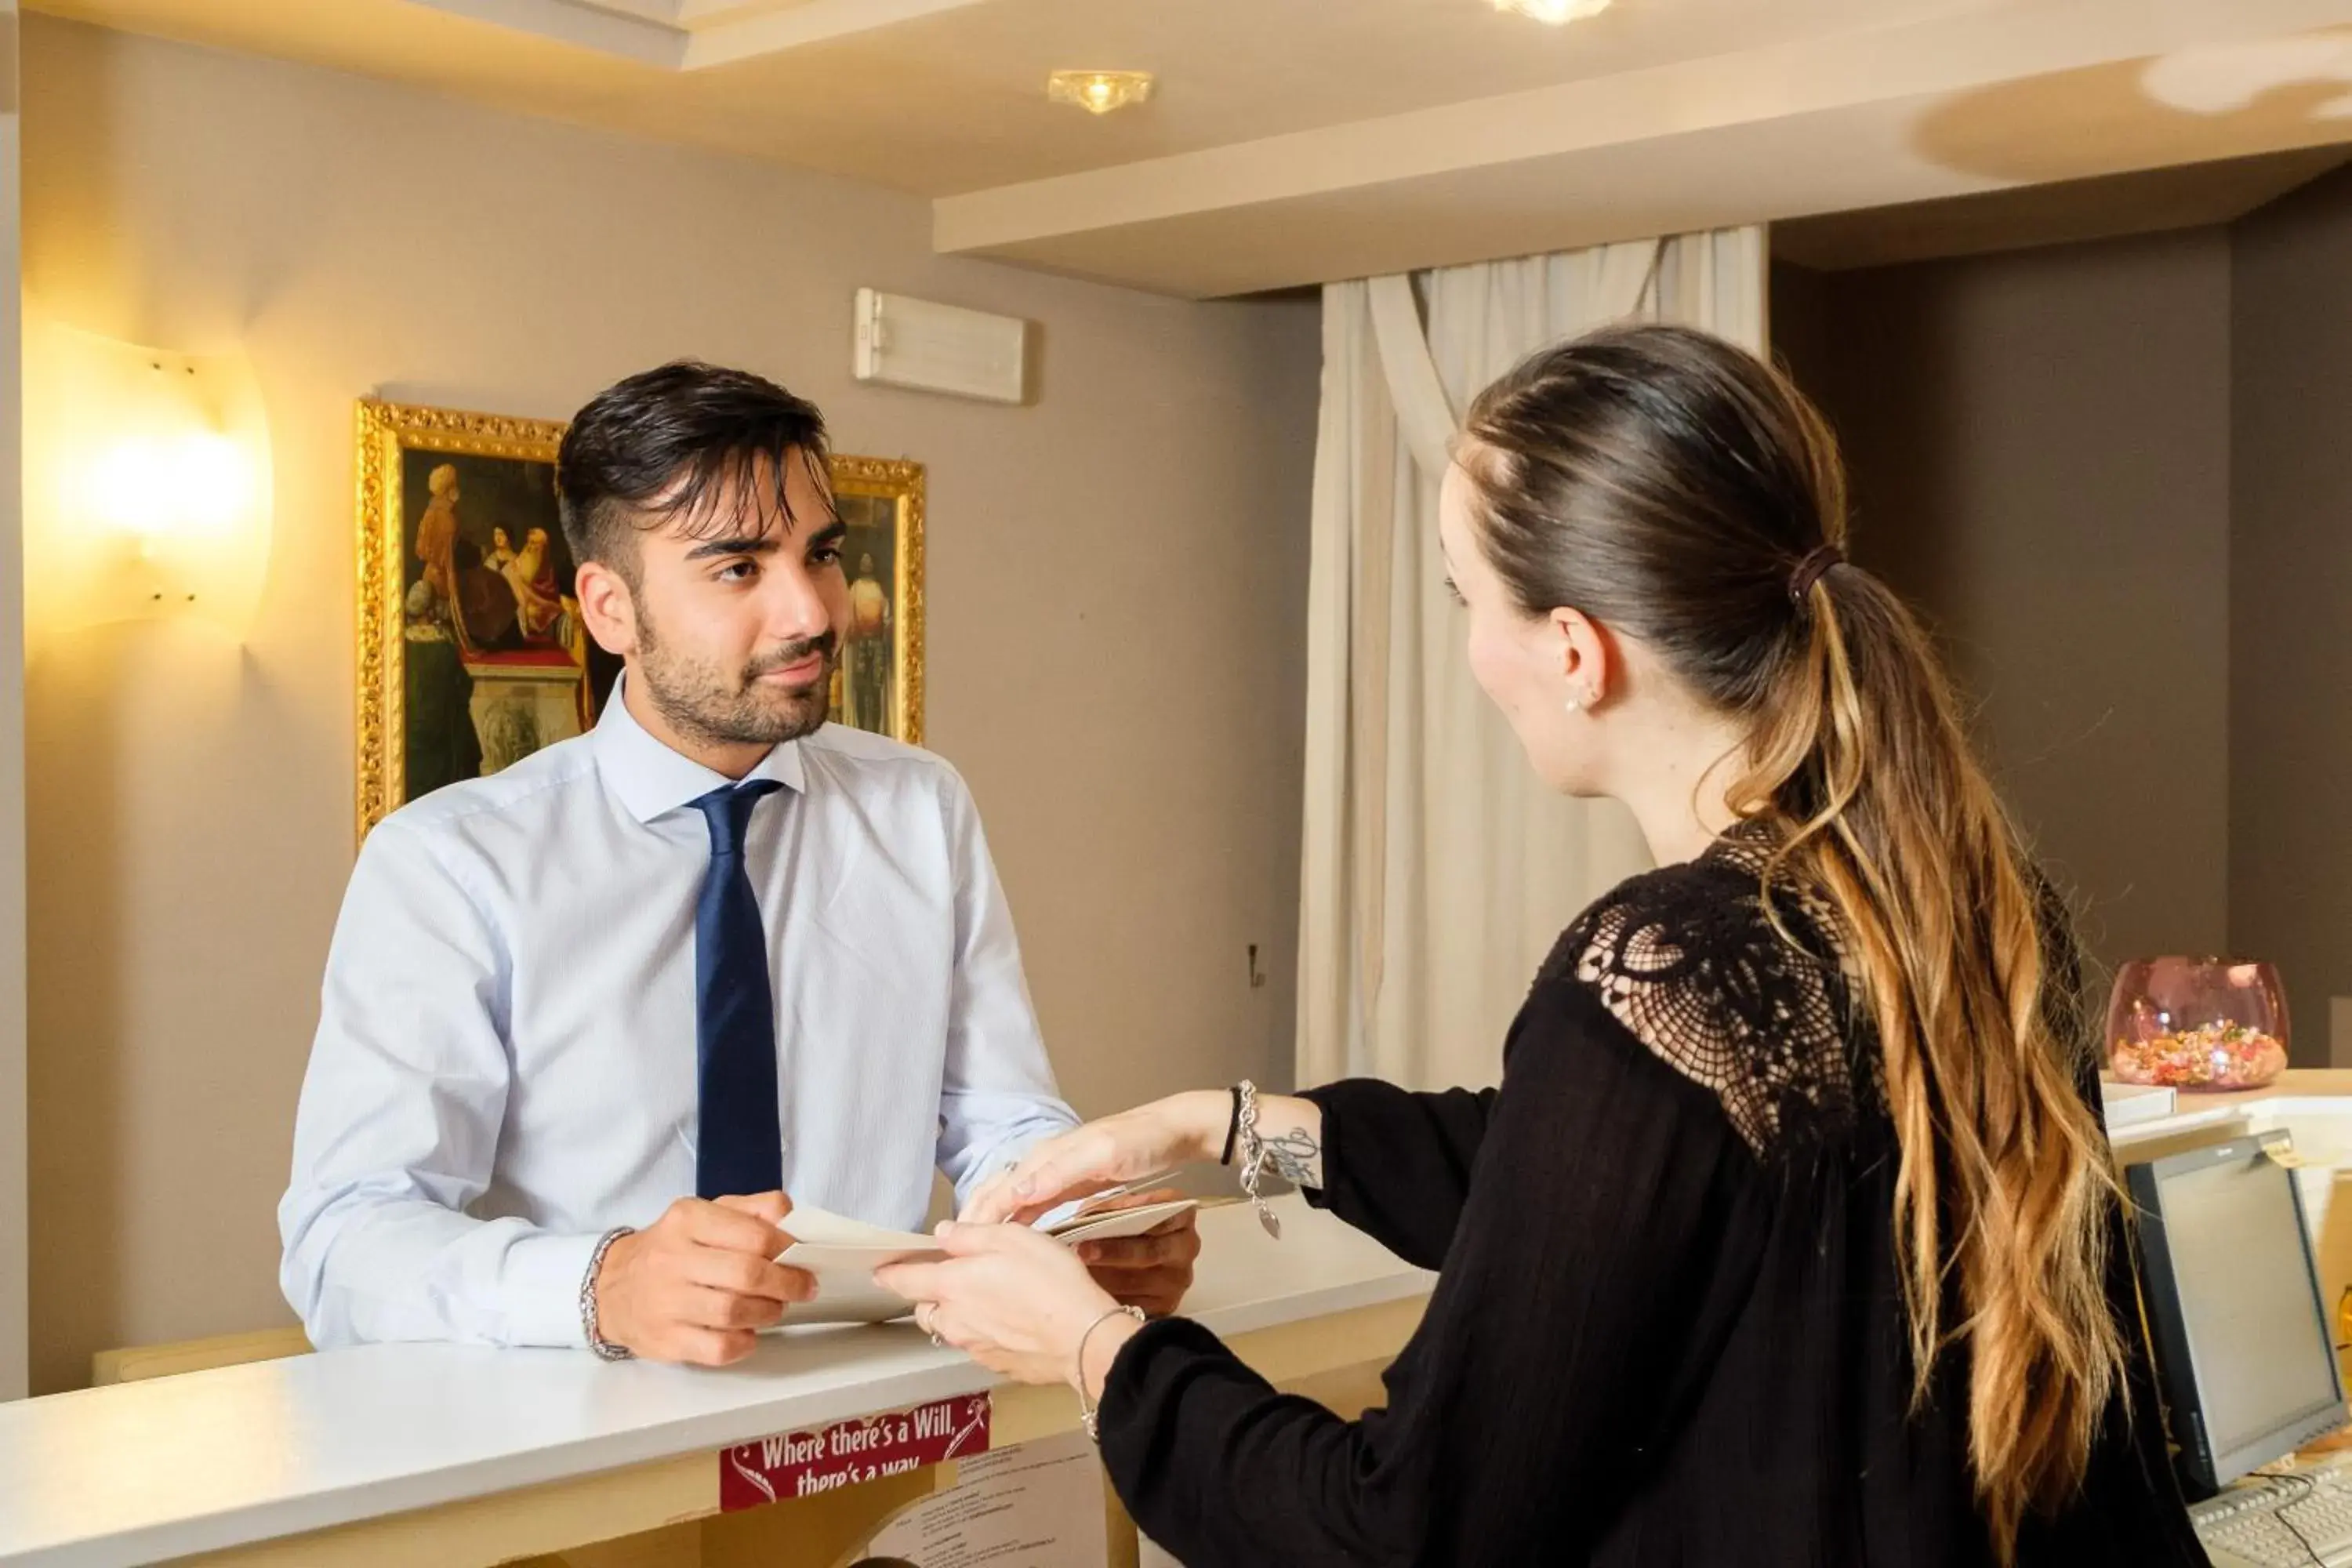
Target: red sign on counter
[(799, 1464)]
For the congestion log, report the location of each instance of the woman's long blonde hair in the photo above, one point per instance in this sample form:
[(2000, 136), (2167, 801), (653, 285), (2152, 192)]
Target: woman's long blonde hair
[(1676, 488)]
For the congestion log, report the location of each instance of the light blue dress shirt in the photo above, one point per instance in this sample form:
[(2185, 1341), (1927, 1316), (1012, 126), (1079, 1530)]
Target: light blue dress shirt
[(505, 1062)]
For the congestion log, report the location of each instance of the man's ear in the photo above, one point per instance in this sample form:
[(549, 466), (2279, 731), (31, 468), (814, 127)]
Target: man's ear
[(608, 606)]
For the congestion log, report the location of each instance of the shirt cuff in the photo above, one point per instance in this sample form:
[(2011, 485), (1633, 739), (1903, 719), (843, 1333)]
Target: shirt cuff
[(541, 1282)]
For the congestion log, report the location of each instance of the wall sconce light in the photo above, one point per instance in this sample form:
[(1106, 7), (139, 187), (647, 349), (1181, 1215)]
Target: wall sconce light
[(147, 484)]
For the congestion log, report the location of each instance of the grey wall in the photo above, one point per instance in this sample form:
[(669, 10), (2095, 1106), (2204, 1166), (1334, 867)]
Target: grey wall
[(2040, 443), (2291, 600)]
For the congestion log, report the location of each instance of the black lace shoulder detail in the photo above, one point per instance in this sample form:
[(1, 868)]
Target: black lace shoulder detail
[(1690, 960)]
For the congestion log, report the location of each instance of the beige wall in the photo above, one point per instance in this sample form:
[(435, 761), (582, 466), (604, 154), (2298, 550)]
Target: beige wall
[(1116, 660), (12, 756), (2041, 447), (2291, 601)]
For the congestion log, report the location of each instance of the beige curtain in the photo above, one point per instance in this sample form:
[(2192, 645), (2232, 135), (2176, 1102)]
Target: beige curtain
[(1436, 870)]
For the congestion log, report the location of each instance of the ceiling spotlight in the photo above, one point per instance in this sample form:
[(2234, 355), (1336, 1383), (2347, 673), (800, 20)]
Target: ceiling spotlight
[(1099, 92), (1557, 13)]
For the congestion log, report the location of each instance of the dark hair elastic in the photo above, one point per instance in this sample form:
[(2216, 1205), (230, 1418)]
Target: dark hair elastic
[(1812, 569)]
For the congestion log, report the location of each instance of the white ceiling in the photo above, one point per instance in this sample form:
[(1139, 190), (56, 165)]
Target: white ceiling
[(1295, 140)]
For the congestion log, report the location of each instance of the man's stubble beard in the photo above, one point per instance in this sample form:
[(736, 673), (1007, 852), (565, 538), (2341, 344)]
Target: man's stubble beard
[(703, 705)]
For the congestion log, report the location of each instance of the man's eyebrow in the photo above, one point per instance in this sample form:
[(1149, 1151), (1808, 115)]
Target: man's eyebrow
[(735, 544), (833, 533)]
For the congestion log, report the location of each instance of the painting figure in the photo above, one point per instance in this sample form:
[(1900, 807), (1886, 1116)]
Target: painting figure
[(868, 651), (531, 575), (436, 531), (483, 610)]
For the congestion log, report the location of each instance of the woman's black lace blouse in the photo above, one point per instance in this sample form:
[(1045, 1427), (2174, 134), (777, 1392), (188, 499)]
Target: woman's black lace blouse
[(1668, 1327)]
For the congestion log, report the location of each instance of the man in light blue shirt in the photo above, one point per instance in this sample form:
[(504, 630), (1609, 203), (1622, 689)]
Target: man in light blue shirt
[(586, 1022)]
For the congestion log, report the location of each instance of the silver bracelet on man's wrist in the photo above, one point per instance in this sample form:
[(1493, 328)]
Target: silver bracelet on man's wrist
[(605, 1349)]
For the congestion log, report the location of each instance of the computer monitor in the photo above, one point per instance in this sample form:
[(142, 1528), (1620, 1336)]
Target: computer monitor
[(2233, 1298)]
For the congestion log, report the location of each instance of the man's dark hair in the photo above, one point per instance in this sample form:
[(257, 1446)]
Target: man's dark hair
[(665, 446)]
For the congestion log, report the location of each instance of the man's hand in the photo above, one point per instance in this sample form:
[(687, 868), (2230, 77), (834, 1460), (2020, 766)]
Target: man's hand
[(699, 1284), (1152, 1270)]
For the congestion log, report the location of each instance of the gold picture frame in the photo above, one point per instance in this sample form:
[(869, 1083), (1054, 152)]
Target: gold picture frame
[(476, 610)]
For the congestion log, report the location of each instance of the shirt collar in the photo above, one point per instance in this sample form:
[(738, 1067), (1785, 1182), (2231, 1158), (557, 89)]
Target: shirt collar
[(652, 779)]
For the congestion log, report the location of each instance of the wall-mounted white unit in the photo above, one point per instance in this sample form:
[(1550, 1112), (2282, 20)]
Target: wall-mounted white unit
[(940, 348)]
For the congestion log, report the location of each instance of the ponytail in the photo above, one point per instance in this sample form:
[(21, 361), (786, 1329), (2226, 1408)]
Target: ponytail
[(2001, 1196)]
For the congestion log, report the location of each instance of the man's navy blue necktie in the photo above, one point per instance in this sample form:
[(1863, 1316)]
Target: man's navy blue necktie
[(738, 1146)]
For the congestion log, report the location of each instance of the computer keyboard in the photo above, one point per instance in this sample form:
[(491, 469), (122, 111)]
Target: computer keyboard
[(2291, 1521)]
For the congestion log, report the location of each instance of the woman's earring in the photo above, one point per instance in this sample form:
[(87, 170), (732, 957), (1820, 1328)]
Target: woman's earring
[(1572, 705), (1577, 704)]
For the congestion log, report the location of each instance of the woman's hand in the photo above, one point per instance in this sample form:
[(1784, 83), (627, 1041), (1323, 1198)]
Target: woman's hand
[(1144, 1142), (1015, 1301)]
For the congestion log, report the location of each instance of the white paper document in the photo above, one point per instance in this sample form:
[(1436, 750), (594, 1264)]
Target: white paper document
[(843, 1254), (1037, 1505)]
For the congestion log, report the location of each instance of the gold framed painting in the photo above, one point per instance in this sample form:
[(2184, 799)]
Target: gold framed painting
[(472, 655), (878, 683)]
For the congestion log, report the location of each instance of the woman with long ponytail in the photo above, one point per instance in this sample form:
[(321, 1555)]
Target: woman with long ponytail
[(1791, 1235)]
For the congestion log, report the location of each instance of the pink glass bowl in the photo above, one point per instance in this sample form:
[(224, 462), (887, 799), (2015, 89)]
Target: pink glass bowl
[(2197, 1023)]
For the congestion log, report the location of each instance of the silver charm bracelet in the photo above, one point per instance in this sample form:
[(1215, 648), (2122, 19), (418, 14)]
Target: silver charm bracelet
[(1252, 1149)]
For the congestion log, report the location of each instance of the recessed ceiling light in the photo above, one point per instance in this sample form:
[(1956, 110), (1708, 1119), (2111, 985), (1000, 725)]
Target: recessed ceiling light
[(1099, 92), (1557, 12)]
